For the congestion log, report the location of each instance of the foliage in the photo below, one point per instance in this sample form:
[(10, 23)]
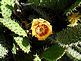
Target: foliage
[(52, 4), (6, 7), (23, 44), (3, 51), (16, 19), (14, 49), (73, 51), (10, 24), (36, 58), (54, 52), (70, 34)]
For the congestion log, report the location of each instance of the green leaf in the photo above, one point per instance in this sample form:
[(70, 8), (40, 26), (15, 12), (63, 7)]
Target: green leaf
[(36, 58), (54, 53), (14, 49), (56, 5), (13, 26), (6, 12), (73, 54), (3, 46), (3, 51), (7, 7), (23, 44), (73, 6), (73, 51), (69, 35), (9, 2)]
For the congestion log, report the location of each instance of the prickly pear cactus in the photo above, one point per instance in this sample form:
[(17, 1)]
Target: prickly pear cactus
[(25, 29), (3, 51), (6, 7)]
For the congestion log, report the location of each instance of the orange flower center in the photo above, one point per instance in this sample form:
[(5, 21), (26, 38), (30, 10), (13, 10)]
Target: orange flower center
[(41, 30)]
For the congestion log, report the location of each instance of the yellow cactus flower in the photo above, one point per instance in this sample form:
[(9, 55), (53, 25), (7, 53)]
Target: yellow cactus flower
[(73, 19), (41, 28)]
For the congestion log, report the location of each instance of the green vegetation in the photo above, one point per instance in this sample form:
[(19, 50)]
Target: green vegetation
[(16, 41)]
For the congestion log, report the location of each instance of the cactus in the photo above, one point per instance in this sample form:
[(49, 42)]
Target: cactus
[(64, 17), (6, 7), (3, 51)]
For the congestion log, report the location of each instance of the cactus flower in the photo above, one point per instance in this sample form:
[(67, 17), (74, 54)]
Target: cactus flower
[(41, 29), (73, 19)]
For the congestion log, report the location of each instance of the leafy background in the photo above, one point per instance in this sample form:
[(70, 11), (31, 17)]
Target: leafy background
[(16, 41)]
